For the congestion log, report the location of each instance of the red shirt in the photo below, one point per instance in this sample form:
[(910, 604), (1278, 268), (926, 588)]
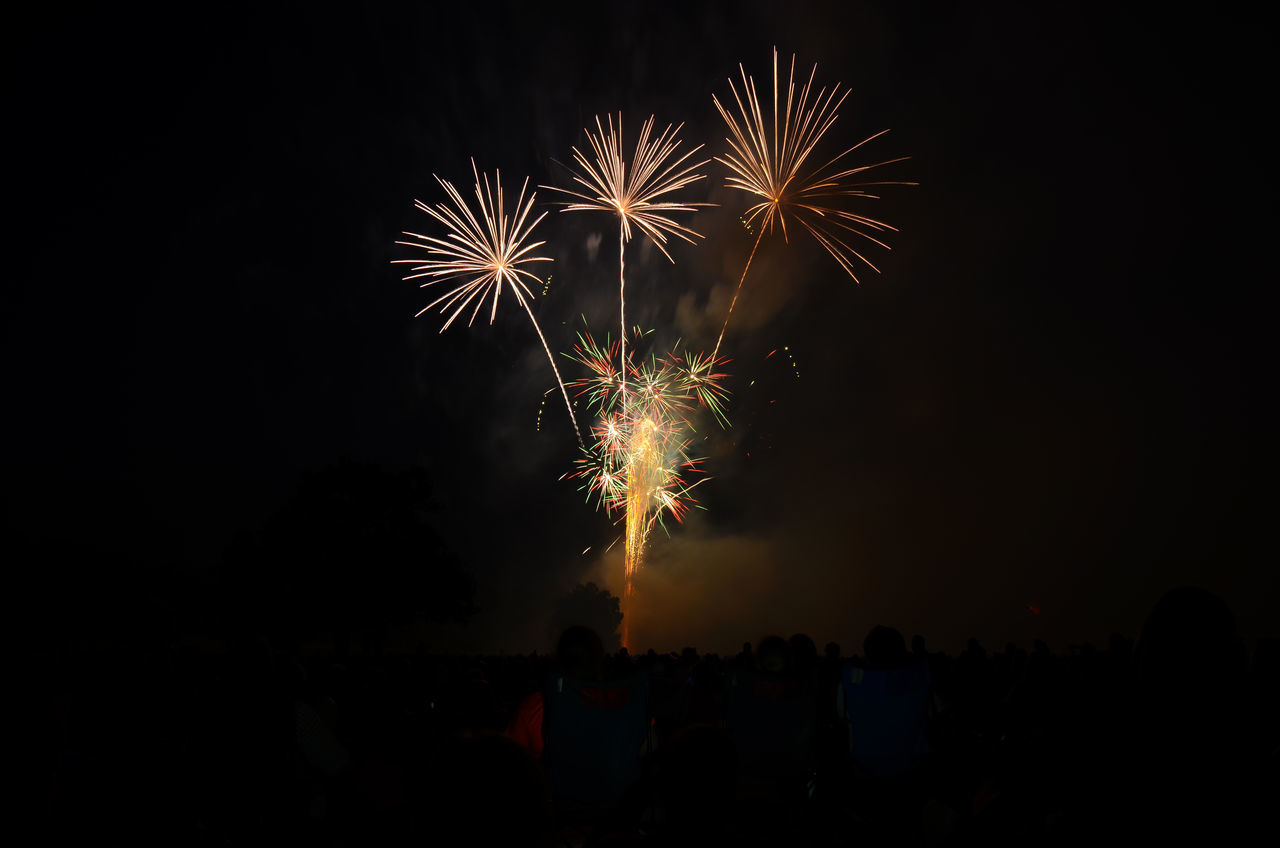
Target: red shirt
[(526, 725)]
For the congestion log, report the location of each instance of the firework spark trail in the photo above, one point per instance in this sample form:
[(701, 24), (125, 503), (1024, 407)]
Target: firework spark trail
[(483, 252), (642, 467), (769, 166), (638, 198), (640, 451)]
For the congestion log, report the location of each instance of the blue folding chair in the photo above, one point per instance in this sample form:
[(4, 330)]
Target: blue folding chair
[(886, 711), (594, 733)]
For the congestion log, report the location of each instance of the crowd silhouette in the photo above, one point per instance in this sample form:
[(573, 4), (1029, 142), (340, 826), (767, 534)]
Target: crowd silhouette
[(1172, 736)]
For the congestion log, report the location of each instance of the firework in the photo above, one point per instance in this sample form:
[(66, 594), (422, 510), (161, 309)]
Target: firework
[(640, 196), (701, 378), (772, 167), (482, 253), (639, 460)]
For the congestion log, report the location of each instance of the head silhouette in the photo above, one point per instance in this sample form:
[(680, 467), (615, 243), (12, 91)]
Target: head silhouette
[(580, 653), (773, 655), (885, 647), (804, 651)]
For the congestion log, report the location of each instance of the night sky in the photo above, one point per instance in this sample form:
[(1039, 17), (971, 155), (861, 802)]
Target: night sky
[(1053, 396)]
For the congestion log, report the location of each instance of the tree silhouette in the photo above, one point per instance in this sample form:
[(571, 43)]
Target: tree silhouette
[(590, 606)]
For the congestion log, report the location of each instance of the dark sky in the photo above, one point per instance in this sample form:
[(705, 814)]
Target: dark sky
[(1054, 394)]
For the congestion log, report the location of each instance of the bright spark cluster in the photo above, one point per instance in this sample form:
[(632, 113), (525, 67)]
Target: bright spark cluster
[(638, 459), (640, 196), (484, 249), (771, 166)]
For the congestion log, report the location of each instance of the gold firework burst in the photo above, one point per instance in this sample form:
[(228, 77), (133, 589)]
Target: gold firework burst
[(639, 195), (771, 166), (484, 251), (769, 161)]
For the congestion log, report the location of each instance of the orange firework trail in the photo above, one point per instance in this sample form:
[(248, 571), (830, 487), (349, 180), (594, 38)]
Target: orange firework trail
[(640, 456), (771, 166), (484, 251)]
